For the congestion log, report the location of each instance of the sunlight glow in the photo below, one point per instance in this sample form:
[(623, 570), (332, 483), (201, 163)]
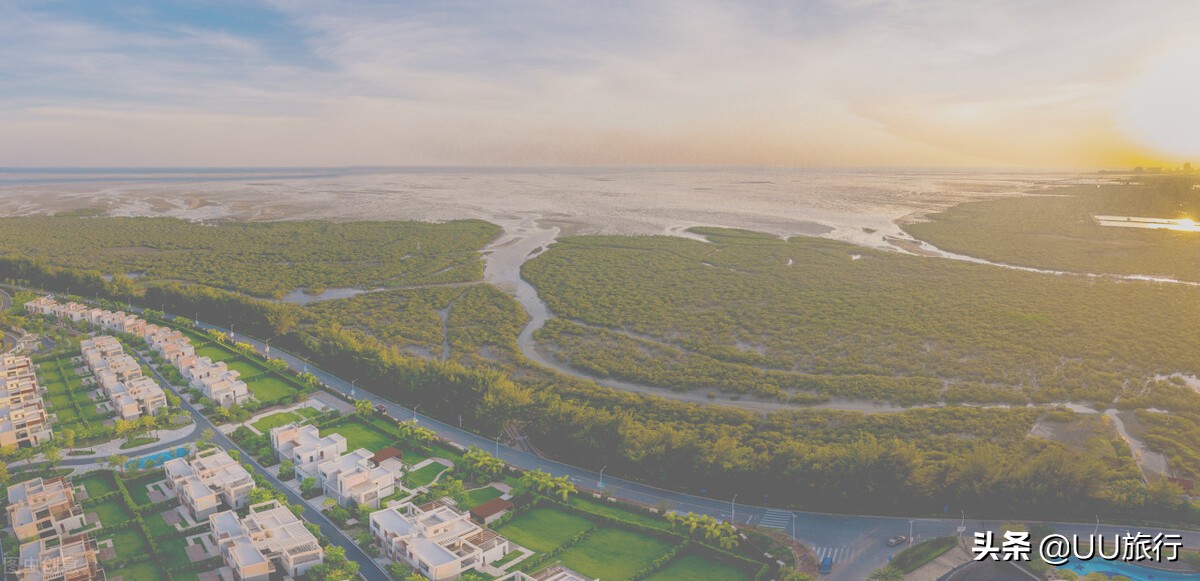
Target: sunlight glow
[(1159, 108)]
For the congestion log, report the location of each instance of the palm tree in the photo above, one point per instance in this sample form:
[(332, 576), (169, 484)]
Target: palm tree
[(363, 407), (565, 486)]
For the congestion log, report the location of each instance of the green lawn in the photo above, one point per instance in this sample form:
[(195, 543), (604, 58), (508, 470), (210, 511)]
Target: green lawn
[(696, 568), (214, 352), (613, 554), (245, 367), (270, 388), (65, 416), (544, 529), (612, 511), (175, 549), (159, 527), (138, 441), (128, 543), (359, 435), (111, 513), (137, 487), (97, 483), (265, 424), (424, 475), (481, 495), (138, 572), (59, 401)]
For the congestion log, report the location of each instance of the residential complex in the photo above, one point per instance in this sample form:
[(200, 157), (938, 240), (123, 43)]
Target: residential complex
[(43, 508), (269, 536), (436, 539), (210, 478), (24, 421), (119, 375), (305, 447), (215, 380)]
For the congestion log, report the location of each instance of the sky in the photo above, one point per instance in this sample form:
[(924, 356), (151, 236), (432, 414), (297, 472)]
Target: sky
[(1071, 83)]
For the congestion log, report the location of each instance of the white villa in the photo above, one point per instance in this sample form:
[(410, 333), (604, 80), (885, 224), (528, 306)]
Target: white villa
[(305, 447), (435, 539), (354, 478), (212, 477), (269, 536)]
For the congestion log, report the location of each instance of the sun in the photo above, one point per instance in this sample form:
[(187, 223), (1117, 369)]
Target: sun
[(1159, 108)]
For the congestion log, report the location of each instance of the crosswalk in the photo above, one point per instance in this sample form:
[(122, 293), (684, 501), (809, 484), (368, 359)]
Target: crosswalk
[(838, 554), (775, 519)]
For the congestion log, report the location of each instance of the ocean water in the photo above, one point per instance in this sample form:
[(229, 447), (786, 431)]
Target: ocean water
[(857, 205)]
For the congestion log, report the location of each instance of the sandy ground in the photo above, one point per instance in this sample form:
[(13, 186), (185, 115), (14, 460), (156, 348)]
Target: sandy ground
[(861, 206)]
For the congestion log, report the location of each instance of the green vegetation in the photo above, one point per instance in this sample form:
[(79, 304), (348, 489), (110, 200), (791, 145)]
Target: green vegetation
[(97, 483), (1057, 231), (613, 554), (544, 529), (263, 258), (423, 476), (111, 514), (482, 321), (733, 315), (138, 441), (844, 340), (359, 434), (914, 557), (265, 423), (143, 571), (480, 495), (697, 568)]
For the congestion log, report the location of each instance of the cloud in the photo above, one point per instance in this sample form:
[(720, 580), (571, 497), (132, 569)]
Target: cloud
[(933, 82)]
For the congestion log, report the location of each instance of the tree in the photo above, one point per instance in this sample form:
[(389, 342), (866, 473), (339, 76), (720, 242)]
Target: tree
[(206, 435), (68, 438), (260, 494), (335, 566), (5, 476), (277, 365), (53, 455), (149, 424), (122, 427), (287, 470), (790, 574), (564, 487), (480, 465), (364, 407), (307, 485)]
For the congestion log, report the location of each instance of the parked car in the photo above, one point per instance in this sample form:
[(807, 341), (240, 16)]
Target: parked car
[(896, 540), (826, 565)]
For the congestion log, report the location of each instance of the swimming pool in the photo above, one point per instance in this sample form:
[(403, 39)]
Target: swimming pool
[(1134, 572), (157, 459)]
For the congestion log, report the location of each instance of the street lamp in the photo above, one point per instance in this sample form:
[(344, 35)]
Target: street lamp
[(352, 387), (415, 413), (497, 445), (267, 348), (793, 525), (602, 475), (197, 318), (231, 330), (910, 531), (733, 509)]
